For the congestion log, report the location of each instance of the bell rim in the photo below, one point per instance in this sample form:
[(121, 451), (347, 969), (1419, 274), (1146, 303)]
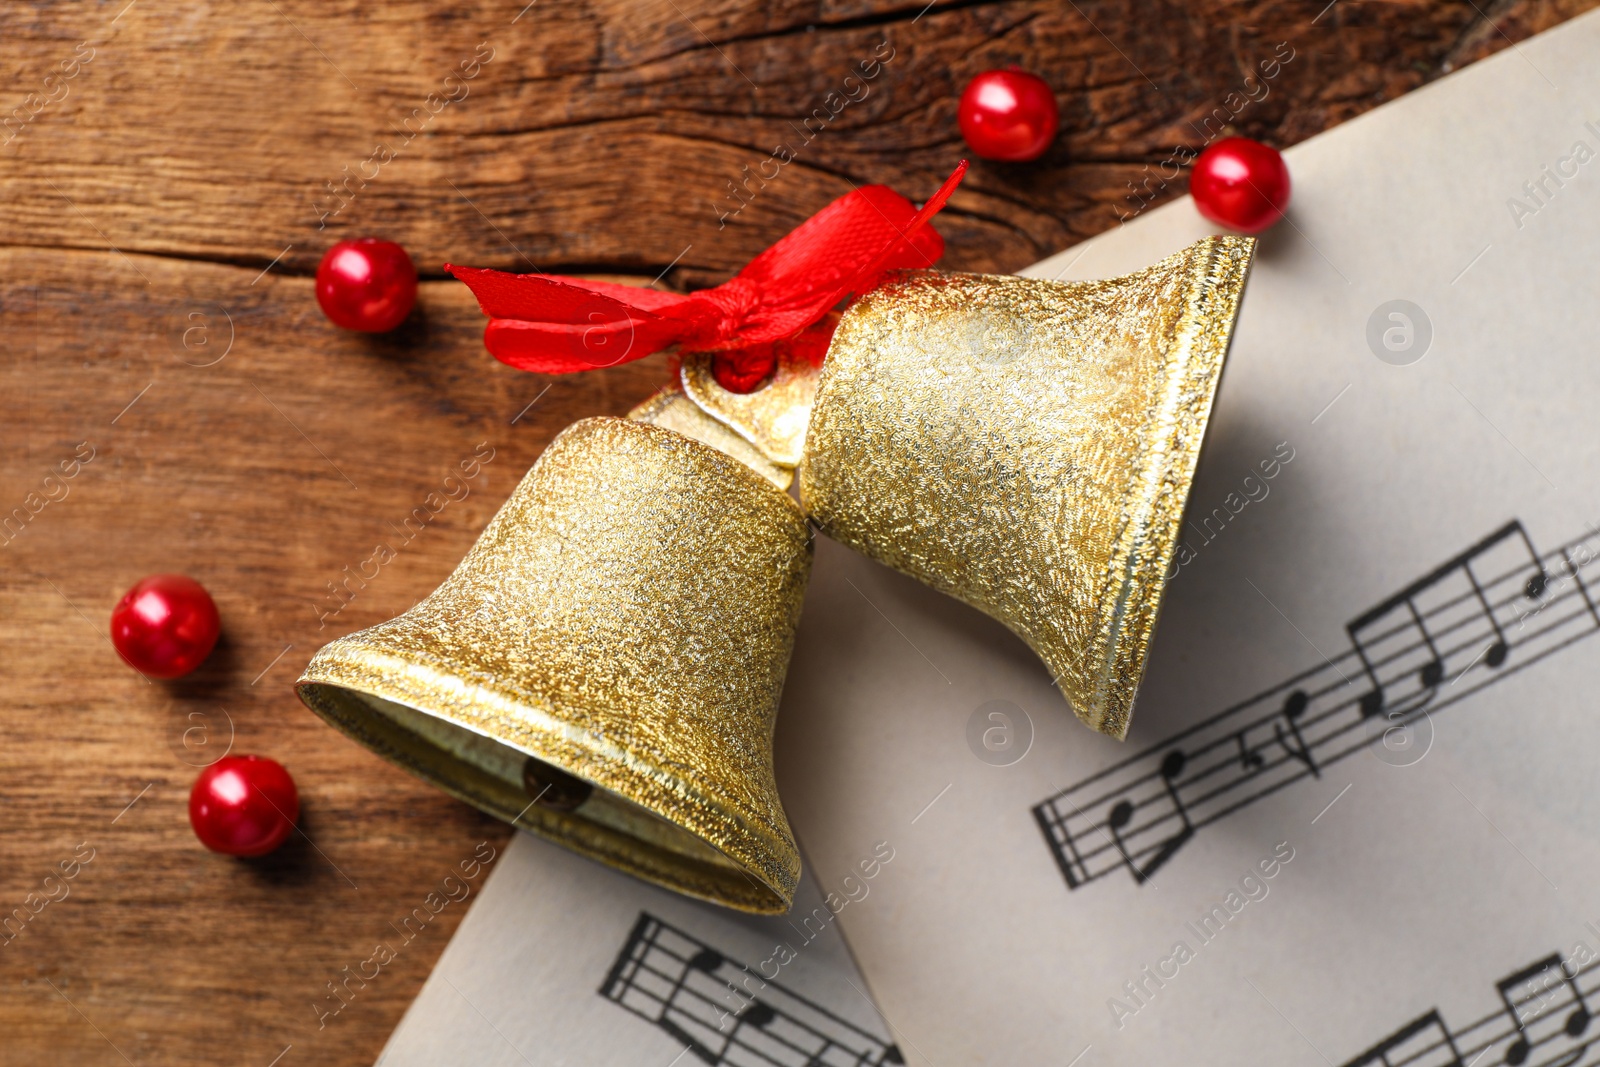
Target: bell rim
[(754, 883), (1218, 268)]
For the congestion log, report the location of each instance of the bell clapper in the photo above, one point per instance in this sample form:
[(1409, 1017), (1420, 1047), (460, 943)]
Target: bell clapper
[(553, 788)]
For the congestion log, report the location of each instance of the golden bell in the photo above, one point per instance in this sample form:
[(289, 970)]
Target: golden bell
[(1028, 446), (604, 666)]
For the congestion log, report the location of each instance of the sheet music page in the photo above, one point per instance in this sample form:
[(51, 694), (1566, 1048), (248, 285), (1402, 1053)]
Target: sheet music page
[(564, 963), (1356, 820)]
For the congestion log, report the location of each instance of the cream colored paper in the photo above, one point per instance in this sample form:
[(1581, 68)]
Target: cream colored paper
[(525, 979), (1413, 886)]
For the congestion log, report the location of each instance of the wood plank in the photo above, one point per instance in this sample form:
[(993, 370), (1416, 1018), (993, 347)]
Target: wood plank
[(215, 136), (148, 194)]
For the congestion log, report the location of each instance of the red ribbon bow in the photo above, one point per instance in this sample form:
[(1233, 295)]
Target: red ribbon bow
[(557, 325)]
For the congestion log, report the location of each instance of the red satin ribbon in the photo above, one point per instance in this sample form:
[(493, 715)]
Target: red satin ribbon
[(557, 325)]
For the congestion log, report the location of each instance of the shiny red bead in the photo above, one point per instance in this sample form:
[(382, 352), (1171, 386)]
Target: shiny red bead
[(165, 626), (243, 805), (1241, 184), (1008, 115), (366, 284)]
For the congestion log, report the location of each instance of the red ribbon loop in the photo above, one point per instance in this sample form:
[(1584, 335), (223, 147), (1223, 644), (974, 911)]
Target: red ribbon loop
[(558, 325)]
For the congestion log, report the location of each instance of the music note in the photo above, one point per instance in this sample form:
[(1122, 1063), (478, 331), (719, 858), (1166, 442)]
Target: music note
[(726, 1015), (1543, 981), (1415, 651), (1121, 815), (1294, 706), (1535, 586), (705, 961), (1426, 1036), (1544, 1020), (1495, 655), (1430, 674), (758, 1015), (1431, 671)]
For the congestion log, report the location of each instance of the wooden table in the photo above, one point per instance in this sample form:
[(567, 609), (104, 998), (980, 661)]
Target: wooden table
[(172, 173)]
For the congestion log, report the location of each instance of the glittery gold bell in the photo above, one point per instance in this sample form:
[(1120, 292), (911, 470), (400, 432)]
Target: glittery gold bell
[(604, 666), (1028, 446)]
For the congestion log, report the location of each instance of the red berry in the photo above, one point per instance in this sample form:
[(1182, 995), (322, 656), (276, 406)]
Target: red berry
[(243, 805), (165, 626), (1008, 115), (1241, 184), (366, 284)]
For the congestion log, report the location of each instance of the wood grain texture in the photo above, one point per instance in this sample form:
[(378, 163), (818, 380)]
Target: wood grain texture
[(166, 203)]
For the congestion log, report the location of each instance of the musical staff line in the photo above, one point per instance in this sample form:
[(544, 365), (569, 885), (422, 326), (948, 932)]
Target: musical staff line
[(1281, 686), (726, 1014), (1358, 746), (1545, 1010), (1437, 641)]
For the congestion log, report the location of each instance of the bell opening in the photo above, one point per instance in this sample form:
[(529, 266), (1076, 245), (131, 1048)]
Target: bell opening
[(536, 794), (553, 788)]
